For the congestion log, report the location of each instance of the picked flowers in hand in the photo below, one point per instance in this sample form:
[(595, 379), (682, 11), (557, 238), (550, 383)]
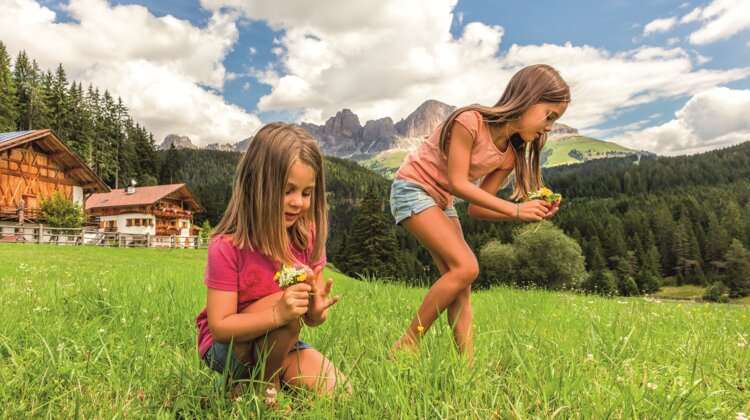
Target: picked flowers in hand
[(289, 275), (545, 194)]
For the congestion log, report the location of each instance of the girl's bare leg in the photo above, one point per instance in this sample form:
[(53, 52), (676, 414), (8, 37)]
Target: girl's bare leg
[(436, 232), (310, 369), (459, 311), (275, 345)]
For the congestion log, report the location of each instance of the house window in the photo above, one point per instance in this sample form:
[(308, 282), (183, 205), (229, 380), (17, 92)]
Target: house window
[(128, 222)]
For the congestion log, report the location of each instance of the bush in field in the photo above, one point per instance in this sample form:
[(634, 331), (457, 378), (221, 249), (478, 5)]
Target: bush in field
[(497, 262), (541, 255), (717, 292), (628, 287), (60, 212), (603, 282)]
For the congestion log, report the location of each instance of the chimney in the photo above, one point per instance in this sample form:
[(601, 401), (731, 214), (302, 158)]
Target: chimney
[(131, 187)]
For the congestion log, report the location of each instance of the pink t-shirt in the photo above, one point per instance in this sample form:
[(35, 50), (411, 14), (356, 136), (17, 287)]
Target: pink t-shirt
[(427, 167), (249, 273)]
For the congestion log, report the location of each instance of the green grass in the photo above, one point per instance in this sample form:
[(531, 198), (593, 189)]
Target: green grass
[(86, 331), (585, 145), (386, 163), (686, 292)]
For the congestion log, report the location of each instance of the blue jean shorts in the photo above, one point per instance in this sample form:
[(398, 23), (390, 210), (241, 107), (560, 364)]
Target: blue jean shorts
[(216, 359), (408, 198)]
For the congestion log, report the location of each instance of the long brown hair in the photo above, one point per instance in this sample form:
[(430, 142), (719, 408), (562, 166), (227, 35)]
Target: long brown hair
[(529, 86), (254, 217)]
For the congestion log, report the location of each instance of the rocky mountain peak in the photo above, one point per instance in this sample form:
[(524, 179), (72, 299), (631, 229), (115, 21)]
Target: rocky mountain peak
[(180, 142), (424, 119)]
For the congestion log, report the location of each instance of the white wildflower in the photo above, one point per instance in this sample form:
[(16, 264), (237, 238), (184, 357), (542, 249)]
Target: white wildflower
[(589, 357), (652, 386)]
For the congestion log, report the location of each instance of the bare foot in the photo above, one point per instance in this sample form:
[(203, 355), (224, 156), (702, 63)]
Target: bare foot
[(405, 344)]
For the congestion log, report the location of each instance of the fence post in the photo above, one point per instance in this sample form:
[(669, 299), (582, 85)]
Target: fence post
[(148, 240), (41, 232)]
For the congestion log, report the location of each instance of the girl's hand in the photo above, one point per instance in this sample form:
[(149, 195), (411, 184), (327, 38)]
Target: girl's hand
[(553, 210), (294, 303), (535, 210), (319, 301)]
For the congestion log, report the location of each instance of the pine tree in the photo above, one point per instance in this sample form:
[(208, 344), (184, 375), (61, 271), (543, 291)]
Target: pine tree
[(372, 245), (59, 104), (8, 111), (737, 274)]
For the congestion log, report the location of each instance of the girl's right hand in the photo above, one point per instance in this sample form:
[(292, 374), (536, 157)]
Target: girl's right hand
[(534, 210), (293, 303)]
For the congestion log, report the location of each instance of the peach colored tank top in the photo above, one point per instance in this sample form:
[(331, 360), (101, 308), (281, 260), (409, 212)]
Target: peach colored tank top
[(426, 167)]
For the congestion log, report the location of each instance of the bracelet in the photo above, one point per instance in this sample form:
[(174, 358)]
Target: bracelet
[(273, 312), (518, 212)]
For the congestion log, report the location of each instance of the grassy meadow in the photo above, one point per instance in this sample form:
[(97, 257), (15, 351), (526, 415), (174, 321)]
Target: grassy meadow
[(560, 149), (111, 333)]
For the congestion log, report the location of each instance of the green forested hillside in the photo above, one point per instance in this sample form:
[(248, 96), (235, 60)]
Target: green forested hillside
[(670, 218)]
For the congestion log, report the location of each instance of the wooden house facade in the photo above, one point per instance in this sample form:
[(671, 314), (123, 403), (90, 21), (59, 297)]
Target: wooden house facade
[(160, 210), (33, 165)]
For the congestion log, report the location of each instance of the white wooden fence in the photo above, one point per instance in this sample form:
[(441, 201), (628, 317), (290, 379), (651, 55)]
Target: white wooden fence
[(40, 234)]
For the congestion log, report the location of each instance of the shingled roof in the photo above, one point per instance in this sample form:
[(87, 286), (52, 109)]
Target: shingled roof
[(144, 196)]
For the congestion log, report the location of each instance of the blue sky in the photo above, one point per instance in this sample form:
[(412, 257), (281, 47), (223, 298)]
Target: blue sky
[(671, 77)]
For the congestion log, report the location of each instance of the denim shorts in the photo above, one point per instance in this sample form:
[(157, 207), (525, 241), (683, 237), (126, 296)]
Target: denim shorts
[(408, 198), (216, 359)]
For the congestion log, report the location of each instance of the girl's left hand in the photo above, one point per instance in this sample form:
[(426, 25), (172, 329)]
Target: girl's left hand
[(553, 210), (317, 312)]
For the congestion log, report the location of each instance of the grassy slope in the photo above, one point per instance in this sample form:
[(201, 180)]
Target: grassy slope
[(586, 145), (85, 330), (386, 163)]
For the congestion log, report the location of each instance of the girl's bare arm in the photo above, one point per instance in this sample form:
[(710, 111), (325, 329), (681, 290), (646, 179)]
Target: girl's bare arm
[(225, 323), (459, 159)]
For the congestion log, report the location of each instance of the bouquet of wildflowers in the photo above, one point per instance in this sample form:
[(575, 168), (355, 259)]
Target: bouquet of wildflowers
[(545, 194), (292, 274)]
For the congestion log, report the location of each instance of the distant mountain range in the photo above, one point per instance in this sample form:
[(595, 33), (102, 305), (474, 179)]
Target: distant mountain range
[(382, 144)]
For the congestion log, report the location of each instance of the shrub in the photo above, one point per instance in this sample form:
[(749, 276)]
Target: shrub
[(546, 257), (497, 263), (603, 282), (60, 212), (717, 292)]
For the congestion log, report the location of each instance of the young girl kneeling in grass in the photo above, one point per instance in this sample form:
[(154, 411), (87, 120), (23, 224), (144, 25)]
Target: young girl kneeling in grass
[(475, 143), (277, 215)]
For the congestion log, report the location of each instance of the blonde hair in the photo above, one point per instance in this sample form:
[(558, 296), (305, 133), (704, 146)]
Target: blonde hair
[(529, 86), (254, 217)]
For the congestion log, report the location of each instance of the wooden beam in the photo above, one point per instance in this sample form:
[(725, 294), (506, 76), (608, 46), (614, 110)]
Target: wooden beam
[(73, 171), (58, 155), (19, 174)]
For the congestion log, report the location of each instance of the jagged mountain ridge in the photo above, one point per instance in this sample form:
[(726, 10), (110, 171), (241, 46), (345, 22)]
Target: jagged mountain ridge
[(343, 135)]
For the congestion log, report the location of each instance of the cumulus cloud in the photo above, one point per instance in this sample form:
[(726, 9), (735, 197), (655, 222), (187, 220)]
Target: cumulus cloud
[(721, 19), (659, 25), (710, 119), (385, 57), (156, 64)]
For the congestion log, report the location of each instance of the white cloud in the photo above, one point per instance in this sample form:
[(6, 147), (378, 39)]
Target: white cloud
[(711, 119), (659, 25), (404, 54), (721, 19), (156, 65)]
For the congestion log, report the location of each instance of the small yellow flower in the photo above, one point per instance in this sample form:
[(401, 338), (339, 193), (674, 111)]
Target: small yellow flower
[(276, 276), (545, 192), (420, 329), (302, 277)]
